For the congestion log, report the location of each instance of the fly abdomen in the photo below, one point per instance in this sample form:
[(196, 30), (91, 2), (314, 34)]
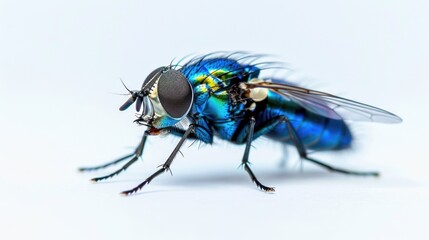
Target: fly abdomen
[(332, 135), (315, 131)]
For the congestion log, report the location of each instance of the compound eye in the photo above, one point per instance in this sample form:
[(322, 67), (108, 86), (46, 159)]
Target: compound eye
[(175, 93), (151, 78)]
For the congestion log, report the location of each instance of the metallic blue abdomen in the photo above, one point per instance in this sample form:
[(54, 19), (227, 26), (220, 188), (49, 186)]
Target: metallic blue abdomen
[(315, 131)]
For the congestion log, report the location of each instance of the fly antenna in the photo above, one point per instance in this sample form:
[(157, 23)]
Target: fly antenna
[(134, 96), (131, 92), (171, 63), (120, 94)]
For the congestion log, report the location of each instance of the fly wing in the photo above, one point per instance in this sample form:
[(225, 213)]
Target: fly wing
[(328, 105)]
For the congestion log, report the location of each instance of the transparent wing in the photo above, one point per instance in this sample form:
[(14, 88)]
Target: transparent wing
[(328, 105)]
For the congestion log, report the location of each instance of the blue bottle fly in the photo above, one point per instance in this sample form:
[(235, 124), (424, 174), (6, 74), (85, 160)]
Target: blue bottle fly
[(223, 95)]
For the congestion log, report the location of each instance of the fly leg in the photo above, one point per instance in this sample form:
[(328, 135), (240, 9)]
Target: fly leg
[(303, 153), (164, 167), (137, 153), (88, 169), (245, 160)]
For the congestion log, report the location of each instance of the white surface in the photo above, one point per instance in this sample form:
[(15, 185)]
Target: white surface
[(60, 61)]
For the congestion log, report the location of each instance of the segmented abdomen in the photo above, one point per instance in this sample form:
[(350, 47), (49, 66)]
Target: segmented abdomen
[(315, 131)]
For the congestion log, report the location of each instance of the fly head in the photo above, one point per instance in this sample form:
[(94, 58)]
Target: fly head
[(165, 98)]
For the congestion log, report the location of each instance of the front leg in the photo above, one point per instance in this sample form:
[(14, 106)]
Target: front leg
[(165, 167), (137, 153)]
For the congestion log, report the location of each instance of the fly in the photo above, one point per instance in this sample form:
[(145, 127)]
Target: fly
[(223, 95)]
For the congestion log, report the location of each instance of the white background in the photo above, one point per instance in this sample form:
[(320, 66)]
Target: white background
[(60, 62)]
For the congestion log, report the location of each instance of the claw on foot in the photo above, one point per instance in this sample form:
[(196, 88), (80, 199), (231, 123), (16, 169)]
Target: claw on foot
[(269, 189)]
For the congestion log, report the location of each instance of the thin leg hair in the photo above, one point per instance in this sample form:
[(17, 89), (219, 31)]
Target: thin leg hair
[(137, 153), (164, 167)]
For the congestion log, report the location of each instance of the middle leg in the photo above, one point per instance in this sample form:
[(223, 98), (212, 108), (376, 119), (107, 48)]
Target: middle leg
[(245, 160)]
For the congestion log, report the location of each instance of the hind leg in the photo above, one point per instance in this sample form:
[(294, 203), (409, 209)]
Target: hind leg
[(303, 153)]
